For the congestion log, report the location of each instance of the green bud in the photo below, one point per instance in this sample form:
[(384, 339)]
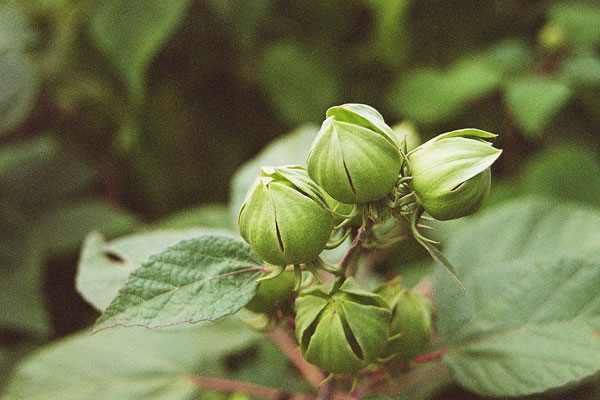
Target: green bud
[(355, 157), (284, 217), (451, 172), (272, 292), (341, 328), (410, 327)]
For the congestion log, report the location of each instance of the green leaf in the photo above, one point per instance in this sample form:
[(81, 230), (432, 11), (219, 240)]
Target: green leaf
[(525, 227), (300, 84), (566, 171), (242, 20), (531, 274), (38, 173), (290, 149), (22, 302), (131, 32), (18, 81), (208, 216), (136, 363), (533, 101), (17, 88), (432, 96), (104, 267), (63, 228), (582, 71), (524, 326), (195, 280), (579, 21)]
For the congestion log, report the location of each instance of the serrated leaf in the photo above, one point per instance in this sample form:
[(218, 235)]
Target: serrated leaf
[(104, 267), (195, 280), (131, 32), (524, 326), (533, 101), (137, 363), (530, 269)]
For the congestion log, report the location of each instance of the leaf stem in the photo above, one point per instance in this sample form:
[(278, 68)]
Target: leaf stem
[(436, 355), (311, 373), (227, 385), (362, 234)]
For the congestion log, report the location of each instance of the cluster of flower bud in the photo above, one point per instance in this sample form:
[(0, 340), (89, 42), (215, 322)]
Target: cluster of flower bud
[(358, 168)]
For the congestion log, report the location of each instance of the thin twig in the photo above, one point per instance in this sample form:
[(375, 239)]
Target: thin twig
[(226, 385), (362, 234), (311, 373), (327, 391), (436, 355)]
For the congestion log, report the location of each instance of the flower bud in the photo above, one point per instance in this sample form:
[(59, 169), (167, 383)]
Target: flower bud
[(355, 157), (410, 327), (341, 328), (272, 292), (451, 172), (284, 217)]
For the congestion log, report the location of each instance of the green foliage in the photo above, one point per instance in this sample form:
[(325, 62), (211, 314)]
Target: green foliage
[(579, 21), (533, 101), (137, 363), (104, 267), (132, 32), (194, 280), (312, 90), (529, 319), (18, 79), (39, 220), (150, 107)]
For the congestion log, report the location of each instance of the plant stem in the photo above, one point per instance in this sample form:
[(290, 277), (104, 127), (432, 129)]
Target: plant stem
[(362, 234), (327, 391), (431, 356), (311, 373), (227, 385), (433, 372)]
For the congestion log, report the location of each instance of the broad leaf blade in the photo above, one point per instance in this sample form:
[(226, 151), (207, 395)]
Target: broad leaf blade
[(131, 32), (194, 280), (105, 267), (533, 101), (137, 363), (524, 326)]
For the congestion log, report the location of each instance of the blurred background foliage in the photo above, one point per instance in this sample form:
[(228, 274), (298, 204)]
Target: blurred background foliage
[(128, 115)]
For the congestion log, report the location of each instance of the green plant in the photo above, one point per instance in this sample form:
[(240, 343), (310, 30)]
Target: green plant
[(130, 117)]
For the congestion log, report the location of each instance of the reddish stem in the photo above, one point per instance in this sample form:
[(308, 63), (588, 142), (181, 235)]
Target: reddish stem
[(362, 234), (312, 374), (227, 385), (436, 355)]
